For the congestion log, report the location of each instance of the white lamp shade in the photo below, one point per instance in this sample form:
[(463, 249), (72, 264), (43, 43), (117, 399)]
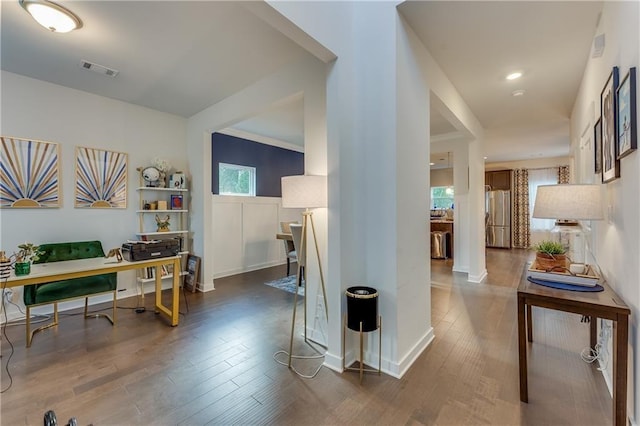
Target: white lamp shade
[(571, 202), (304, 191)]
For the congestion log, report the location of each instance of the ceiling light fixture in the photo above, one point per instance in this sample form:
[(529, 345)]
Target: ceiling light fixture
[(519, 92), (432, 164), (514, 75), (52, 16)]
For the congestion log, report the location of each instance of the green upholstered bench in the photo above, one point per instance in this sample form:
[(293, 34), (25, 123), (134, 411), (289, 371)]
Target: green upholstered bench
[(58, 291)]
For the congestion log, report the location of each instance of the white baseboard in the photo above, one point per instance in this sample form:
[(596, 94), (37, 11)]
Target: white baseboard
[(398, 369), (393, 369), (477, 278), (227, 273)]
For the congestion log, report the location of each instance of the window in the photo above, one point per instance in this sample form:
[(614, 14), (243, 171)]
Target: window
[(441, 197), (236, 180)]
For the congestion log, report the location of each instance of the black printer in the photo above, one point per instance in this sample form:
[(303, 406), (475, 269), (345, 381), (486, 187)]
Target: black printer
[(145, 250)]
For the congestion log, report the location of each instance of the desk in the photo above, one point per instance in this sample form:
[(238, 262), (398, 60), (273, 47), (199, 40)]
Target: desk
[(284, 236), (605, 304), (56, 271)]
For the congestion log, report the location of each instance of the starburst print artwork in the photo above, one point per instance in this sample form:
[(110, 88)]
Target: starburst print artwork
[(29, 174), (101, 178)]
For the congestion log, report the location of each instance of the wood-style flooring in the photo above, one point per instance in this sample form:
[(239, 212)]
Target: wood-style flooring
[(217, 368)]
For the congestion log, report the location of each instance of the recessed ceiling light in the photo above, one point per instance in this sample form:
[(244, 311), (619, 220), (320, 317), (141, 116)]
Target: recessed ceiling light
[(486, 158), (514, 75), (432, 164), (52, 16), (519, 92)]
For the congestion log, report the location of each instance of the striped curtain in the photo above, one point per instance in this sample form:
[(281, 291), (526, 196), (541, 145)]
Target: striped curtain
[(521, 232), (563, 174)]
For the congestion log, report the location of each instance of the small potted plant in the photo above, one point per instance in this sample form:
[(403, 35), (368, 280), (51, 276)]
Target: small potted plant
[(27, 254), (550, 254)]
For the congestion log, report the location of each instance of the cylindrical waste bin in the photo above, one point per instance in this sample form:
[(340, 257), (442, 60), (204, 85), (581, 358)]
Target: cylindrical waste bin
[(439, 245), (362, 306)]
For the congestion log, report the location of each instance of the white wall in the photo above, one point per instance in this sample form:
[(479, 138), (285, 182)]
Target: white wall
[(39, 110), (244, 233), (442, 177), (378, 103), (616, 240)]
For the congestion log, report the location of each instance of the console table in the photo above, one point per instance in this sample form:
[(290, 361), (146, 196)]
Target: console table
[(56, 271), (605, 304)]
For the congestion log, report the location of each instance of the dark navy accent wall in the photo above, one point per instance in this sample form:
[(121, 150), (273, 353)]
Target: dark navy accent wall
[(271, 162)]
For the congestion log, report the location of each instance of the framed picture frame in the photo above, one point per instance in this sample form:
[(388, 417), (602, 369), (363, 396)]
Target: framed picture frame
[(597, 146), (193, 273), (176, 202), (610, 161), (626, 115), (30, 175), (101, 178)]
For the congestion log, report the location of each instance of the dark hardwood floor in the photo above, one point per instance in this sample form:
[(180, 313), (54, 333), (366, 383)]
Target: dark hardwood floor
[(216, 367)]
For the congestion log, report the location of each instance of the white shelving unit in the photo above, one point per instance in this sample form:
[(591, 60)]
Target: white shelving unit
[(147, 227)]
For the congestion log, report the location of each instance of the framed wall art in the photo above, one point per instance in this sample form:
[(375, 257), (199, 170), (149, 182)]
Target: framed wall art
[(626, 115), (29, 173), (193, 273), (597, 148), (101, 179), (610, 161)]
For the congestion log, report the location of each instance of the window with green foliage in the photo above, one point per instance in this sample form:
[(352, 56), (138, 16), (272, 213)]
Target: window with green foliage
[(236, 180), (441, 197)]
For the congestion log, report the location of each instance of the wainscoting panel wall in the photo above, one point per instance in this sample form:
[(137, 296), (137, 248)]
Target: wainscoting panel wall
[(227, 228), (245, 231), (260, 225)]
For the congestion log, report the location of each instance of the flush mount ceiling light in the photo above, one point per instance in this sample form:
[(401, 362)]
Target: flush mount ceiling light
[(514, 75), (52, 16)]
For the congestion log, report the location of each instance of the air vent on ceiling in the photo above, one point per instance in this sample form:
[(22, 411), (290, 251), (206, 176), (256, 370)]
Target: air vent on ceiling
[(100, 69)]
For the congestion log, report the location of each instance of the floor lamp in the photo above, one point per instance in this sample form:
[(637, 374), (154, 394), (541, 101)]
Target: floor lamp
[(305, 192)]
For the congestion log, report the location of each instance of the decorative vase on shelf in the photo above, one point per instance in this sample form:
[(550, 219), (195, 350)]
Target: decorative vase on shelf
[(163, 224), (22, 268)]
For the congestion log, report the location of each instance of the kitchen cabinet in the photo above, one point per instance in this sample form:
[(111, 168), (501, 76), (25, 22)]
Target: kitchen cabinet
[(499, 179)]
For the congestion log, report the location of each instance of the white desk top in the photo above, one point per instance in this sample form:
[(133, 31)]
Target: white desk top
[(94, 266)]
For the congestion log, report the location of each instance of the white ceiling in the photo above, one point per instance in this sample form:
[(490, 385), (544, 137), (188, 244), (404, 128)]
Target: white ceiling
[(181, 57), (173, 56), (477, 43)]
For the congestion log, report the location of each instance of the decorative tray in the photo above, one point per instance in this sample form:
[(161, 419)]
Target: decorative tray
[(562, 275)]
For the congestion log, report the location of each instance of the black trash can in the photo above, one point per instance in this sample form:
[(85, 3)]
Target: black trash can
[(362, 305)]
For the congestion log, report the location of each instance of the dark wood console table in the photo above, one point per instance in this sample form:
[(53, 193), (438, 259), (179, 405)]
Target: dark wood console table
[(605, 304)]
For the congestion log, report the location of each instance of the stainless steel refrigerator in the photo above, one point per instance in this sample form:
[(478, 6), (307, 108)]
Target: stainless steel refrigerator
[(498, 221)]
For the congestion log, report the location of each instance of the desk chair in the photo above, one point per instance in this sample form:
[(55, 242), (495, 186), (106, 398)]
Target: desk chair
[(296, 233), (289, 248)]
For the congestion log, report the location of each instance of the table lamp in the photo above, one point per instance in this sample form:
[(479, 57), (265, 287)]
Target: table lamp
[(307, 192), (569, 203)]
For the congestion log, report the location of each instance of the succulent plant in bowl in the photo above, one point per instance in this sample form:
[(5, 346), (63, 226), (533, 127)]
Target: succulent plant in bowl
[(550, 255)]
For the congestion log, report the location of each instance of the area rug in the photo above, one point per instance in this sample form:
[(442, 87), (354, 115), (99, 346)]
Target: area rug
[(289, 284)]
